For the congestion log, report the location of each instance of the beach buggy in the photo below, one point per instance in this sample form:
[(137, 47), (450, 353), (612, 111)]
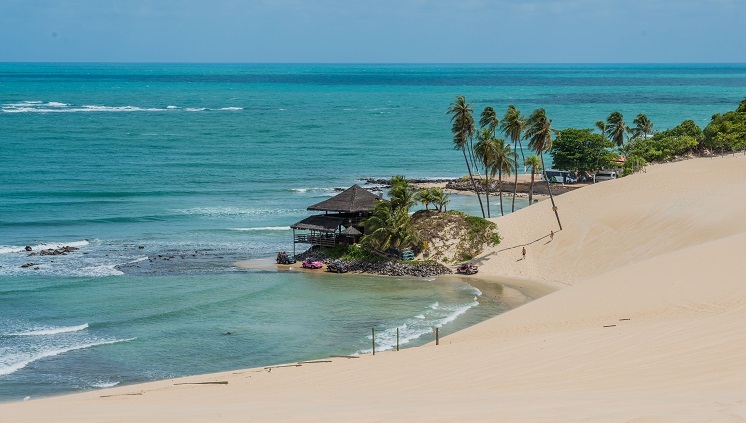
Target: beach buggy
[(310, 263), (467, 269), (283, 258)]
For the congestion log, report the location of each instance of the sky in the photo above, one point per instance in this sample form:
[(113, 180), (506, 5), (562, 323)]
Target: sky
[(374, 31)]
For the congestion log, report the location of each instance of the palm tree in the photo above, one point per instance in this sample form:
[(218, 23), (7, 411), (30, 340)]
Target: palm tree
[(512, 126), (440, 198), (463, 132), (534, 163), (424, 196), (539, 136), (504, 162), (643, 127), (401, 193), (601, 125), (616, 129), (489, 119), (485, 154), (387, 228)]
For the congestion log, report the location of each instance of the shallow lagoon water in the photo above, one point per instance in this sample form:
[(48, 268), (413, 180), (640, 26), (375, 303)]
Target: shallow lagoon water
[(206, 165)]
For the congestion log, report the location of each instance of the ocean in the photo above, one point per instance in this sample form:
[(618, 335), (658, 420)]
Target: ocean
[(196, 166)]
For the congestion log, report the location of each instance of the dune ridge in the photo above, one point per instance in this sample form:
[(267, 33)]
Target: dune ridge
[(647, 326)]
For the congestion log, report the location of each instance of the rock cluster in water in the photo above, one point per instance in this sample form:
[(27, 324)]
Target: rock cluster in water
[(422, 269), (386, 183), (53, 252)]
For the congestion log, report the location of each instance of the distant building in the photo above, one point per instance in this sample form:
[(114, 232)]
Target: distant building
[(341, 223)]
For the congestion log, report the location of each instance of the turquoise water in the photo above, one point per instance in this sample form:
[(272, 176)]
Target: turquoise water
[(209, 164)]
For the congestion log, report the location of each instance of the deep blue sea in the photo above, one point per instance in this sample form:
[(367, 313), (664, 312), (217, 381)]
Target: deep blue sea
[(210, 164)]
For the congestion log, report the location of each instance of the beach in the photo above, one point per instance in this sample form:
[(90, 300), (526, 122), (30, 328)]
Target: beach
[(646, 325)]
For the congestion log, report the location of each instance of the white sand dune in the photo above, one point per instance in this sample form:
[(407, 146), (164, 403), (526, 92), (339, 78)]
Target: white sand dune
[(649, 326)]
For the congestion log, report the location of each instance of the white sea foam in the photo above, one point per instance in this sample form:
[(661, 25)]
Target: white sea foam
[(104, 384), (96, 271), (49, 330), (235, 211), (59, 107), (422, 324), (456, 312), (5, 249), (266, 228), (14, 362)]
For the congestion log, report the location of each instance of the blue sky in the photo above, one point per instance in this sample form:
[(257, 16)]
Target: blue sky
[(347, 31)]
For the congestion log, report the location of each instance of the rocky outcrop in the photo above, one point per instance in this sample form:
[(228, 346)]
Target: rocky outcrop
[(421, 269), (540, 187), (54, 252)]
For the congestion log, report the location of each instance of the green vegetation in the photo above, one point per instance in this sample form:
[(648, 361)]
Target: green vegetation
[(352, 252), (727, 132), (512, 126), (616, 129), (463, 128), (497, 158), (534, 163), (581, 150), (454, 236), (388, 227), (663, 146), (539, 135)]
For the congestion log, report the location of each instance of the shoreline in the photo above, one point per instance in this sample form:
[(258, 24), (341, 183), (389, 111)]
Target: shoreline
[(629, 332)]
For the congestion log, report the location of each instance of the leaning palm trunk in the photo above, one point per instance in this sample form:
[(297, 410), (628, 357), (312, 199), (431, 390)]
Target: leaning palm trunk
[(515, 187), (500, 190), (474, 184), (531, 188), (551, 197), (487, 192)]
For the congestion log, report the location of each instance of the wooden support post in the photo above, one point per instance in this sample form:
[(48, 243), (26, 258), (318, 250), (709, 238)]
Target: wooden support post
[(437, 337), (397, 339), (373, 337)]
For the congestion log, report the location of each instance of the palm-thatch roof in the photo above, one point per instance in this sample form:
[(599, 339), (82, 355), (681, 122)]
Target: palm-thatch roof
[(351, 231), (319, 222), (352, 200)]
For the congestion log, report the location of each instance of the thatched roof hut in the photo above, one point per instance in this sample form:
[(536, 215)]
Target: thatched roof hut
[(354, 199)]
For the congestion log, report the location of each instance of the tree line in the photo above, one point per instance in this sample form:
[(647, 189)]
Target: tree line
[(579, 150)]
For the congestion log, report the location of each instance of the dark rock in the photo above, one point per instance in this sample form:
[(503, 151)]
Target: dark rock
[(28, 248), (29, 265), (141, 247)]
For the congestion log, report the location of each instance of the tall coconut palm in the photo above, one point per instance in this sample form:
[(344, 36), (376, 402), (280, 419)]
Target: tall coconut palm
[(601, 125), (387, 228), (533, 163), (485, 153), (463, 131), (401, 193), (616, 129), (489, 119), (440, 199), (512, 126), (539, 135), (424, 196), (643, 127), (505, 160)]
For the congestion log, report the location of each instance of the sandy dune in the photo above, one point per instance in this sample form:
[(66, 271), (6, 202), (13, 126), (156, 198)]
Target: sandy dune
[(649, 326)]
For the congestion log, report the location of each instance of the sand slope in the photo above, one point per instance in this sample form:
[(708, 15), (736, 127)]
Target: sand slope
[(650, 326)]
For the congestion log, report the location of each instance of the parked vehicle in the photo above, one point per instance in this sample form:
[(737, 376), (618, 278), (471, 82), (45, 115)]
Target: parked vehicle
[(310, 263), (604, 175), (336, 266), (283, 258), (467, 269), (559, 176)]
